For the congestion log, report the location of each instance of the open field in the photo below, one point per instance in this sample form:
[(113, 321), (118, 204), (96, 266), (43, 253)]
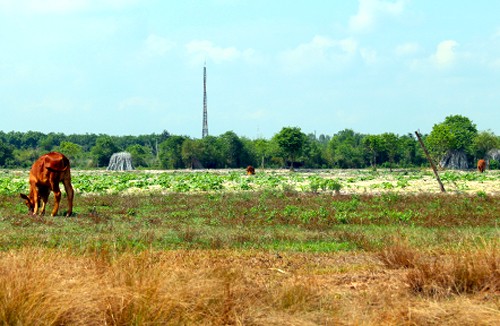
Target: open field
[(325, 248), (406, 181)]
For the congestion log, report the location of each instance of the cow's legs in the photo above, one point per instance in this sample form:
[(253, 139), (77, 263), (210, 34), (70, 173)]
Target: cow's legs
[(42, 209), (57, 198), (36, 198), (43, 194), (70, 193)]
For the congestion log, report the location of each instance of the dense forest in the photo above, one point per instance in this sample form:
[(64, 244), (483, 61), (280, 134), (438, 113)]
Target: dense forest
[(344, 149)]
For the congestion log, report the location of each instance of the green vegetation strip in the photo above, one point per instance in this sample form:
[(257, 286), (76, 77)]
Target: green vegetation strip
[(329, 181), (272, 220)]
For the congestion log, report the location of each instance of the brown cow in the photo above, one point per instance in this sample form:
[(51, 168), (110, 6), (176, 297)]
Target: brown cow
[(250, 170), (45, 175), (481, 165)]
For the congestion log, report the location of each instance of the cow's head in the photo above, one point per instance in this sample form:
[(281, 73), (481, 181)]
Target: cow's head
[(30, 203)]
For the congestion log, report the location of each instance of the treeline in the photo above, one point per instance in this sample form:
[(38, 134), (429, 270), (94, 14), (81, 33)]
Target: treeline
[(288, 148)]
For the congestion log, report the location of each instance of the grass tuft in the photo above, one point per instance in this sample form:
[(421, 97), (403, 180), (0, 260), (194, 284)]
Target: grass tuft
[(399, 255), (461, 272)]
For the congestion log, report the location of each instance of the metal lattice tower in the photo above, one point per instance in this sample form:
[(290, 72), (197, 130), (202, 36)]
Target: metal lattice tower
[(204, 132)]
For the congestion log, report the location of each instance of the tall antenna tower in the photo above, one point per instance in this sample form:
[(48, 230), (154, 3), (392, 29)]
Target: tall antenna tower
[(204, 132)]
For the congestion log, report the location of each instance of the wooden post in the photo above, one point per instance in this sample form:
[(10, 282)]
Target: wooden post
[(430, 161)]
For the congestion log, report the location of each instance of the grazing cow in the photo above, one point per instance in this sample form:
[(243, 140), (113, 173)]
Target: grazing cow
[(250, 170), (45, 175), (481, 165)]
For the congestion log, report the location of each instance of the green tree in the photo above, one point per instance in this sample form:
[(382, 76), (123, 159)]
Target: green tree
[(262, 151), (390, 144), (249, 153), (71, 150), (103, 149), (324, 140), (484, 142), (232, 150), (171, 152), (211, 156), (408, 149), (51, 141), (345, 150), (14, 138), (6, 154), (31, 139), (313, 153), (291, 142), (456, 133), (374, 145), (191, 151), (141, 155), (26, 157), (87, 141)]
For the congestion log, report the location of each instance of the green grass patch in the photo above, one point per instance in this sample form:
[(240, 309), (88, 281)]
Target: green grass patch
[(273, 220)]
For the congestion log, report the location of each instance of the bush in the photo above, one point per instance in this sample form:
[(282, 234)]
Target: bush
[(494, 165)]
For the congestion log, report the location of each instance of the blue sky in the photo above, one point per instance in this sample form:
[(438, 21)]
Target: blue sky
[(130, 67)]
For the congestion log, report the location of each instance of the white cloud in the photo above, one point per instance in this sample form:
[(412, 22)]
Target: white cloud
[(200, 51), (370, 11), (322, 52), (409, 48), (445, 54), (156, 46), (443, 58)]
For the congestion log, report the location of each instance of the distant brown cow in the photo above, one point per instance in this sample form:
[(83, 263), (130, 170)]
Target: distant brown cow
[(481, 165), (45, 175), (250, 170)]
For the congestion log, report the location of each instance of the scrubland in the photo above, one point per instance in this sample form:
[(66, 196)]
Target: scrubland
[(270, 250)]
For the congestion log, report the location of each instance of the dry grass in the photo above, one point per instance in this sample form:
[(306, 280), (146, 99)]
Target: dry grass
[(399, 255), (468, 271), (464, 271), (227, 287)]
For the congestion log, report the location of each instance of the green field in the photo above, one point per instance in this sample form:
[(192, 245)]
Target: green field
[(413, 181), (219, 247)]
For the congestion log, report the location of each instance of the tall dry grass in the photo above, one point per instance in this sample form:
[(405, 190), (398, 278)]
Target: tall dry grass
[(152, 288), (221, 287), (464, 271), (460, 271)]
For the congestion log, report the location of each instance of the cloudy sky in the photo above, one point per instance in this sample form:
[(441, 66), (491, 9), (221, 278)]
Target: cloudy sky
[(131, 67)]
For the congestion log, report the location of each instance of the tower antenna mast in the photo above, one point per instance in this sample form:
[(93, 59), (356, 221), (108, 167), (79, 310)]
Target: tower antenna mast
[(204, 132)]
